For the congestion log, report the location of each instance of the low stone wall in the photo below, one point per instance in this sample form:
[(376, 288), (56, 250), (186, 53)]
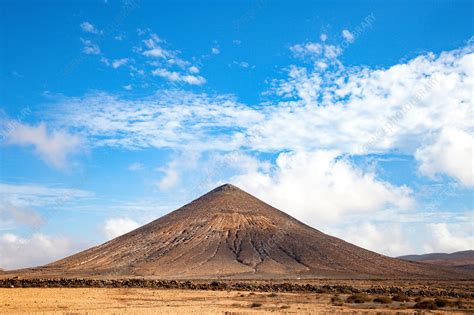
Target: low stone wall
[(228, 285)]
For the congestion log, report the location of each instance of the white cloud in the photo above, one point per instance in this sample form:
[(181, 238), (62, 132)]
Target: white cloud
[(53, 147), (167, 60), (157, 52), (348, 36), (136, 166), (26, 195), (178, 77), (119, 62), (385, 238), (242, 64), (167, 119), (215, 50), (361, 111), (322, 186), (19, 252), (397, 233), (317, 51), (20, 204), (128, 87), (120, 37), (11, 214), (323, 37), (194, 69), (451, 153), (170, 176), (89, 47), (444, 237), (118, 226), (89, 28)]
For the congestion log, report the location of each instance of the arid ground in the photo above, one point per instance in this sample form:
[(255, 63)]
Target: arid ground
[(132, 300), (373, 297)]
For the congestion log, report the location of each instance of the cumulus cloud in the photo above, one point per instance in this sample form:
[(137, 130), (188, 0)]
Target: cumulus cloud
[(117, 226), (194, 69), (169, 180), (397, 239), (168, 63), (445, 237), (90, 48), (21, 252), (348, 36), (321, 186), (215, 50), (364, 111), (179, 77), (390, 239), (52, 147), (89, 28), (450, 153), (119, 62)]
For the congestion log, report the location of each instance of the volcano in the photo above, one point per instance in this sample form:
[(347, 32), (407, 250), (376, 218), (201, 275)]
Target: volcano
[(228, 233)]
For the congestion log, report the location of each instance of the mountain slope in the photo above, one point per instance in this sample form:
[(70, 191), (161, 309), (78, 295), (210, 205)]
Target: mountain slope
[(462, 259), (229, 233)]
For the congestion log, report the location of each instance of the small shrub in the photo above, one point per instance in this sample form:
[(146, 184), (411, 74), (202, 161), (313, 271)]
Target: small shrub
[(383, 300), (418, 299), (426, 305), (284, 306), (358, 298), (401, 297), (336, 300), (273, 294), (255, 304), (459, 304), (443, 303)]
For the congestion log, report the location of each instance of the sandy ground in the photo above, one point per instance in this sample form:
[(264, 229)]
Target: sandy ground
[(149, 301)]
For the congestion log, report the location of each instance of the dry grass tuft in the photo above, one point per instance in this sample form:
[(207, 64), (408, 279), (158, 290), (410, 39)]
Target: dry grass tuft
[(383, 300), (358, 298)]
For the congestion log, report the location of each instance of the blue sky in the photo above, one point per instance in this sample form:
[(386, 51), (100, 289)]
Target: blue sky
[(354, 118)]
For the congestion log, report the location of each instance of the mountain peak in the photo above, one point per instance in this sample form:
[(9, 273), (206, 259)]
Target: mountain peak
[(230, 233), (226, 187)]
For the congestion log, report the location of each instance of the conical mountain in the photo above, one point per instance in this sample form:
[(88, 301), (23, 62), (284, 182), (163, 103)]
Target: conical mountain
[(229, 233)]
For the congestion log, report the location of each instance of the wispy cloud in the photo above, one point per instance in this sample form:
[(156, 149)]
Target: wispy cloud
[(169, 118), (52, 147), (119, 62), (167, 62), (34, 195), (348, 36), (89, 47), (179, 77), (89, 28)]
